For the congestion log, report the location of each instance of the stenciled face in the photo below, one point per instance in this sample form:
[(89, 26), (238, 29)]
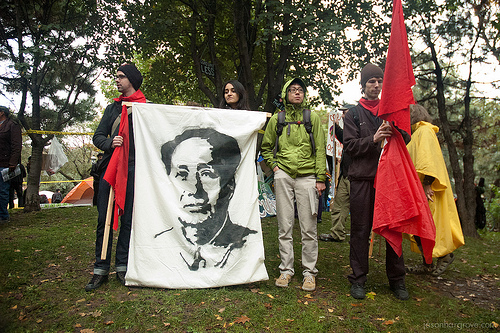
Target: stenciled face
[(231, 96), (295, 94), (123, 84), (373, 88), (198, 180)]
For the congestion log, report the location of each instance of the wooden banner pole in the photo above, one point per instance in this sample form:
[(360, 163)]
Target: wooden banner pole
[(107, 226), (370, 251)]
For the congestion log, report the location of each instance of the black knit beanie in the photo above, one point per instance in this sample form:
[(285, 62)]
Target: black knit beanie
[(369, 71), (132, 74)]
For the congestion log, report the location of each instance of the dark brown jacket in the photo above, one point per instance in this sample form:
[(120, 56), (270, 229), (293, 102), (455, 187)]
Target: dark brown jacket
[(10, 143), (358, 143)]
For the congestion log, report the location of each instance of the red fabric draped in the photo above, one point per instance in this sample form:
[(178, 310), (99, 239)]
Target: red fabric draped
[(400, 202), (117, 171)]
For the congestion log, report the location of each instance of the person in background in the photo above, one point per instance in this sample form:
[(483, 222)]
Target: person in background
[(363, 135), (480, 218), (128, 80), (427, 157), (10, 156), (95, 172), (234, 96), (57, 197), (340, 207), (299, 168), (16, 188)]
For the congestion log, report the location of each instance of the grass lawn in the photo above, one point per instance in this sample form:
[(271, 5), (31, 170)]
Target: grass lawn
[(46, 259)]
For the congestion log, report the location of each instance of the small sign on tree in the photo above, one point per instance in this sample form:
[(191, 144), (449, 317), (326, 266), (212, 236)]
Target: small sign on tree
[(207, 68)]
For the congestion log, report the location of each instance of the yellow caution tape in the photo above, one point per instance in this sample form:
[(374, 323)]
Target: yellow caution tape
[(59, 181), (56, 133)]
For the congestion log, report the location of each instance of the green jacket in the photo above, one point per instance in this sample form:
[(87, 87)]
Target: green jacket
[(295, 155)]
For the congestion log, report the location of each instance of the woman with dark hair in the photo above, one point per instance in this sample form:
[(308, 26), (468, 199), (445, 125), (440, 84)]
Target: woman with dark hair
[(234, 96)]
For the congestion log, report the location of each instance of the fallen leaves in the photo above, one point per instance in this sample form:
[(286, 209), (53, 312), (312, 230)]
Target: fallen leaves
[(241, 320), (371, 295)]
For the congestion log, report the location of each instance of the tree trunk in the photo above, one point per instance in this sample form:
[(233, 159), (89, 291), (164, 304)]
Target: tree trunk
[(32, 202), (465, 211)]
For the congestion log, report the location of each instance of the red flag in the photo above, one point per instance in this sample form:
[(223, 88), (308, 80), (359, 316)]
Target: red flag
[(398, 75), (117, 171), (400, 202)]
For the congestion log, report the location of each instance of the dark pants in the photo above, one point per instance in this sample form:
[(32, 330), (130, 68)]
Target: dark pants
[(101, 267), (362, 199), (16, 187)]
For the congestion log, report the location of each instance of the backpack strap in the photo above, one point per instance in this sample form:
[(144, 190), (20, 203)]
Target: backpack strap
[(306, 118), (355, 116), (116, 123), (279, 129)]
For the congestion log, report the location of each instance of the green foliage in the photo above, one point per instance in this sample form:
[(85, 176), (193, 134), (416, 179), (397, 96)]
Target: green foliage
[(493, 208), (258, 43), (54, 61), (51, 51)]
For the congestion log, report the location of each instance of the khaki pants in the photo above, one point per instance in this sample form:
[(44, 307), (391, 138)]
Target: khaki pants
[(340, 209), (303, 190)]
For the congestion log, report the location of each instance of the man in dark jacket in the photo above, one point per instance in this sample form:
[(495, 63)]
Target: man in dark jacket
[(363, 134), (10, 157), (128, 80)]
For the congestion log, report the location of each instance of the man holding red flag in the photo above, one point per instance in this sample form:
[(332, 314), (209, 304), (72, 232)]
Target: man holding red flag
[(114, 136), (363, 135)]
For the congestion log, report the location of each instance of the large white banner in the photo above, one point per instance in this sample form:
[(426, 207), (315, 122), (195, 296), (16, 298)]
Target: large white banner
[(196, 220)]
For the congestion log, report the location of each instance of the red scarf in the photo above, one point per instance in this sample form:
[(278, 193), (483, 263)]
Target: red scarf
[(370, 105), (117, 171)]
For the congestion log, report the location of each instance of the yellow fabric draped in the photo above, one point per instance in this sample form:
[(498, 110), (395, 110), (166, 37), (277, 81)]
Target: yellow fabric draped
[(428, 159)]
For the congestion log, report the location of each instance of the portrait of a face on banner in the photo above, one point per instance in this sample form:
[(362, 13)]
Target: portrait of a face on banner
[(196, 221)]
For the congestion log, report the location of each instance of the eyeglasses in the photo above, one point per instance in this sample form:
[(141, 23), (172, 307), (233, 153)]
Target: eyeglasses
[(294, 90), (120, 77)]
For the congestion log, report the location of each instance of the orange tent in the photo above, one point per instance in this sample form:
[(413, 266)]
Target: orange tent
[(81, 193)]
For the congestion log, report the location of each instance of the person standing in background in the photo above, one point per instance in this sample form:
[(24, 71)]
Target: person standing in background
[(427, 157), (10, 156), (234, 96), (340, 207)]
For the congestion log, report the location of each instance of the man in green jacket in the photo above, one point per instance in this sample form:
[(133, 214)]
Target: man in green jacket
[(299, 167)]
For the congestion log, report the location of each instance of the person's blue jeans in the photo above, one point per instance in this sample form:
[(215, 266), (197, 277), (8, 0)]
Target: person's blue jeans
[(101, 267), (4, 198)]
